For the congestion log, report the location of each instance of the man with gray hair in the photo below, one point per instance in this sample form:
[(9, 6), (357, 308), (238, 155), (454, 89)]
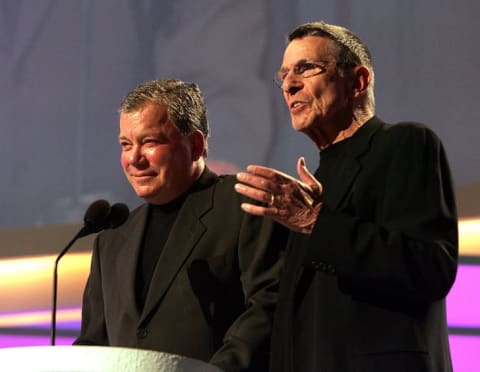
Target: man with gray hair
[(189, 273), (373, 246)]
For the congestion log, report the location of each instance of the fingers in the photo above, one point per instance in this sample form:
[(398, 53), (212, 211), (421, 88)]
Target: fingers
[(278, 215), (255, 193), (266, 181), (256, 210), (308, 178), (255, 181), (273, 175), (303, 171), (292, 202)]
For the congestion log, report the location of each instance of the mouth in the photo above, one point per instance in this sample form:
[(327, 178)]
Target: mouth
[(297, 106), (142, 176)]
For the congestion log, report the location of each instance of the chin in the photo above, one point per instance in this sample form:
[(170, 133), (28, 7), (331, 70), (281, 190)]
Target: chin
[(297, 128), (142, 193), (300, 127), (300, 124)]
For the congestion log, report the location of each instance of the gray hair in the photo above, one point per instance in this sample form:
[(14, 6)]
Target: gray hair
[(184, 103), (350, 50)]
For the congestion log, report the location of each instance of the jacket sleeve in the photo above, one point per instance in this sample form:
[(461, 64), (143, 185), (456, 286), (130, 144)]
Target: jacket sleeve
[(246, 343), (403, 252), (93, 330)]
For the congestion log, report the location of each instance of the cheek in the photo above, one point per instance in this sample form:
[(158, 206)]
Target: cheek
[(156, 155), (318, 94), (124, 160)]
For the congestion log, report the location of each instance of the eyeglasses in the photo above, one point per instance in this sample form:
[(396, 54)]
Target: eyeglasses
[(305, 69)]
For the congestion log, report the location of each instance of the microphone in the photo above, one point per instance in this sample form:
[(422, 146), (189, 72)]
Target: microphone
[(119, 213), (95, 218), (99, 216)]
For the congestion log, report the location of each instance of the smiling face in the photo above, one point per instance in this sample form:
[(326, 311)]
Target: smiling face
[(320, 102), (157, 160)]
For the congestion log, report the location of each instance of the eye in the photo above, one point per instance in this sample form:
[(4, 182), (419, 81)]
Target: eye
[(282, 74), (306, 66), (125, 145), (153, 141)]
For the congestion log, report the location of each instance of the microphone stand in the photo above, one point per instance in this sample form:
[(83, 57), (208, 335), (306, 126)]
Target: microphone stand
[(98, 216), (81, 233)]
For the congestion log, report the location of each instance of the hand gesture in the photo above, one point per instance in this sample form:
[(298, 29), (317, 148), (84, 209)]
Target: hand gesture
[(293, 203)]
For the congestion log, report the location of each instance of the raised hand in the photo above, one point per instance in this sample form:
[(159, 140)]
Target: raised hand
[(291, 202)]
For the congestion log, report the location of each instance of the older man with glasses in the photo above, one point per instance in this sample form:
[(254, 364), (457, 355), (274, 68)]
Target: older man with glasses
[(373, 246)]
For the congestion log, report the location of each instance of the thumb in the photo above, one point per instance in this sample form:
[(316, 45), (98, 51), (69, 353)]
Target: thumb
[(307, 177)]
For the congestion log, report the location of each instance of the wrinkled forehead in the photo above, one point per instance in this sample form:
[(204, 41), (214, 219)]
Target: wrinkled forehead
[(308, 48)]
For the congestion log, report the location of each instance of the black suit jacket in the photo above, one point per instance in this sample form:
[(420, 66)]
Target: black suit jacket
[(365, 292), (213, 290)]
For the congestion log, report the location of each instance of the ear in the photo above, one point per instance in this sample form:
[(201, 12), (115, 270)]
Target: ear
[(197, 139), (361, 80)]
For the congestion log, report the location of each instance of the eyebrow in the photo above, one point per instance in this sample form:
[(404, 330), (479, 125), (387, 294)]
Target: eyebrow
[(150, 133), (305, 60), (282, 68)]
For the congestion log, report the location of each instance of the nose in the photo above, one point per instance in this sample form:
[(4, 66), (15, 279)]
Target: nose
[(292, 83), (135, 155)]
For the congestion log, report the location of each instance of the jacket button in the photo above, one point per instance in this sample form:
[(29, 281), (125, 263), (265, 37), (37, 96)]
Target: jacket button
[(331, 269), (142, 333)]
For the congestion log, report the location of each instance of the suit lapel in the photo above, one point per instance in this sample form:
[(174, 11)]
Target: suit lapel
[(186, 232), (350, 164), (130, 240)]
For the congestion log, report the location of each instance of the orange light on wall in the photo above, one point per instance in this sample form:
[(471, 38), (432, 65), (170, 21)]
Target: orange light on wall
[(36, 318), (26, 283), (469, 237)]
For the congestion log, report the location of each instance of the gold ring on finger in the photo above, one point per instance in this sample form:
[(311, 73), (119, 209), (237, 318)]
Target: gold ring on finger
[(272, 200)]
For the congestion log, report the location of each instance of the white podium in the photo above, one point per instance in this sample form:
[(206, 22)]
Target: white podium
[(96, 359)]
